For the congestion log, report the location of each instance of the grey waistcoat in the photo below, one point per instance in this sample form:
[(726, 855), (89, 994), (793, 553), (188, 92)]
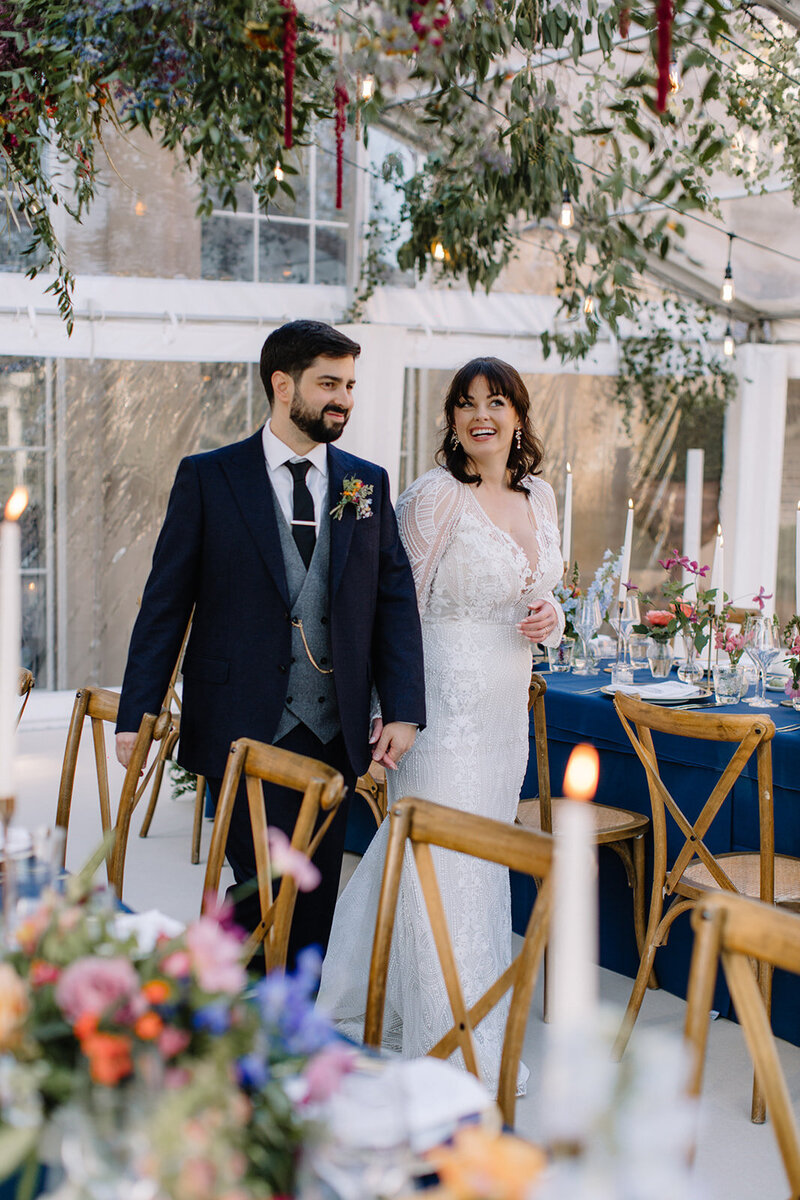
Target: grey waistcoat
[(310, 695)]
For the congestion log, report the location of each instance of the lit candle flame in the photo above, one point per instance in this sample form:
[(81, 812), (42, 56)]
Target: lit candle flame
[(630, 502), (569, 472), (582, 773), (719, 531), (16, 504)]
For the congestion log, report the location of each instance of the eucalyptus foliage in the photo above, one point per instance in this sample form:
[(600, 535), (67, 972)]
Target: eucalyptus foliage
[(510, 102)]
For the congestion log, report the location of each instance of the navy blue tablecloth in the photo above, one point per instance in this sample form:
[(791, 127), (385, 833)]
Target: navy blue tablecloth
[(690, 769)]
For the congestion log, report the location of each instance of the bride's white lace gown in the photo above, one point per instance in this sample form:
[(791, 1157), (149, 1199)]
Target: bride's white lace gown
[(474, 583)]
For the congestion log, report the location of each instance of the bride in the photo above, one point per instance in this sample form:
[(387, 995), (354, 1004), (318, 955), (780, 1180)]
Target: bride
[(482, 537)]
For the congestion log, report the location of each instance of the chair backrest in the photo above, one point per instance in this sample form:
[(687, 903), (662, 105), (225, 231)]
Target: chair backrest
[(372, 788), (100, 706), (734, 930), (423, 824), (322, 789), (25, 688), (536, 693), (749, 735)]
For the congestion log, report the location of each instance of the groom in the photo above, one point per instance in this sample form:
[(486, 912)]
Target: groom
[(297, 612)]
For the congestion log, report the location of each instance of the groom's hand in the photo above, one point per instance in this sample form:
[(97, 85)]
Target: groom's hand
[(390, 742)]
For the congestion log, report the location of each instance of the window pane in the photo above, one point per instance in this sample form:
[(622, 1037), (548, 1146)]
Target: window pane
[(331, 252), (283, 253), (227, 248), (34, 626), (785, 600)]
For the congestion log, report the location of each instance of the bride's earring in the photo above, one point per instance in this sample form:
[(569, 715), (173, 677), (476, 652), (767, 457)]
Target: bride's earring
[(454, 442), (518, 438)]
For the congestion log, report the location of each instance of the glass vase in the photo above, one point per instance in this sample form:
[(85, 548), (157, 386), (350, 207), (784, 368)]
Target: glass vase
[(559, 658), (729, 683), (659, 658), (690, 671)]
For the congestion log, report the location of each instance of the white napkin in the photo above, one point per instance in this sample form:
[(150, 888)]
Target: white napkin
[(670, 689), (20, 841), (147, 927), (438, 1098)]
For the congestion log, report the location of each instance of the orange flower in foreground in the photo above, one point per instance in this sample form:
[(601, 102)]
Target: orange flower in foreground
[(157, 991), (13, 1005), (109, 1057), (85, 1026), (148, 1026), (486, 1165)]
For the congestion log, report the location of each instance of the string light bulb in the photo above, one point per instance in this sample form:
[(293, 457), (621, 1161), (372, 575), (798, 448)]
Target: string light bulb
[(437, 250), (567, 218), (278, 172), (728, 344), (588, 302), (675, 78), (728, 291), (367, 87)]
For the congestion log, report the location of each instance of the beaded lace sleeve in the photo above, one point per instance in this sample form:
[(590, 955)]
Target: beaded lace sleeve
[(427, 513)]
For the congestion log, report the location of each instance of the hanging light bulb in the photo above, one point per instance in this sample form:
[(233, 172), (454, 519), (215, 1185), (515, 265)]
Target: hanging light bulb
[(675, 79), (728, 344), (588, 302), (367, 87), (728, 291), (567, 218), (278, 172), (437, 250)]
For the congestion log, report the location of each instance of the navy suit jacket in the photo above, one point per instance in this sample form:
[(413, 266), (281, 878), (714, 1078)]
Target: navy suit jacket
[(219, 553)]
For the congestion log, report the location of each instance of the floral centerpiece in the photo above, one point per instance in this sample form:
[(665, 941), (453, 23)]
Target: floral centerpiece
[(734, 644), (602, 587), (566, 593), (213, 1073)]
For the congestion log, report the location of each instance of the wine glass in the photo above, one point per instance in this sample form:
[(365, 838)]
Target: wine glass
[(762, 648), (587, 621), (623, 618)]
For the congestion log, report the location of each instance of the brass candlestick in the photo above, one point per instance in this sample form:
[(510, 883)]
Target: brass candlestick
[(7, 878)]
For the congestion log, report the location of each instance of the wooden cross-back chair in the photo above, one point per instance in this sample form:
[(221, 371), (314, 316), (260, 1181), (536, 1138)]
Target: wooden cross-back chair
[(372, 788), (694, 871), (100, 707), (172, 705), (423, 824), (733, 930), (622, 831), (24, 690), (322, 789)]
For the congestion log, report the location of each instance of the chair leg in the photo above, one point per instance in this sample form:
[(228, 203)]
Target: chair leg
[(197, 825), (655, 937), (158, 775), (639, 920), (758, 1107)]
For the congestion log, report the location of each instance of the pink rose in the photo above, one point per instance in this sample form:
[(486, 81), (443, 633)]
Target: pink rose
[(177, 965), (288, 861), (173, 1041), (216, 957), (94, 985), (325, 1070), (658, 616)]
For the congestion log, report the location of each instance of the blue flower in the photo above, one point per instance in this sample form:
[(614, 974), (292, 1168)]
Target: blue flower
[(215, 1018)]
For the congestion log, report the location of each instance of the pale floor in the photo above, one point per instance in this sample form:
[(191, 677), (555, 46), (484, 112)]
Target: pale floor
[(736, 1160)]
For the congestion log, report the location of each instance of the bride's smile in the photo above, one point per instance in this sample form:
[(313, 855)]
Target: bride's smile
[(485, 422)]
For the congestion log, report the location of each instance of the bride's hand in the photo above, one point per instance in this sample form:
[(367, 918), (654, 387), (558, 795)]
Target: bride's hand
[(540, 621)]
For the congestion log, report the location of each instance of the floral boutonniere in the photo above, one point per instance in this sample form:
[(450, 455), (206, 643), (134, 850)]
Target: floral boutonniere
[(357, 493)]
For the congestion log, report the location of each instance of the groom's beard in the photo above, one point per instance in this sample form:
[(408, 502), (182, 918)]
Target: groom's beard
[(317, 425)]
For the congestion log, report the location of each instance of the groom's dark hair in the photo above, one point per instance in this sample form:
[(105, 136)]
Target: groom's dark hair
[(293, 347)]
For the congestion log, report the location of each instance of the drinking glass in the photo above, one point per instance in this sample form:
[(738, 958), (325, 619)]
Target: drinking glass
[(587, 621), (763, 648), (622, 620)]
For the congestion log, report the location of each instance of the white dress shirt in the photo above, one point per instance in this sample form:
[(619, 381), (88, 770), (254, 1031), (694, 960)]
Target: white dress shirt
[(277, 455)]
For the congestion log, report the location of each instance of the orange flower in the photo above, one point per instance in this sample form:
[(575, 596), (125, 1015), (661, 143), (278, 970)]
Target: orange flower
[(13, 1005), (85, 1025), (157, 991), (480, 1164), (148, 1026), (109, 1057), (658, 616)]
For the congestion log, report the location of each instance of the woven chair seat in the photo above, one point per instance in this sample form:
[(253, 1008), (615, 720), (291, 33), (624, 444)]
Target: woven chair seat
[(606, 819), (744, 873)]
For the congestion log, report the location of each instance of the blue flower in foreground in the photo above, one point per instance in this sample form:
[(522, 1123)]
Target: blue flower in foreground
[(252, 1072), (215, 1018)]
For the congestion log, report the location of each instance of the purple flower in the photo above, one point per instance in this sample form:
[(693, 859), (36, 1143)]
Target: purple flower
[(630, 587), (215, 1018), (252, 1072)]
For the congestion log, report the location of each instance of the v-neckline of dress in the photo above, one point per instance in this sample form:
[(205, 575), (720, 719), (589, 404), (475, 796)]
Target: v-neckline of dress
[(530, 575)]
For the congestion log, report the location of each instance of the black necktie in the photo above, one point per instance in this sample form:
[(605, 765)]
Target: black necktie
[(303, 525)]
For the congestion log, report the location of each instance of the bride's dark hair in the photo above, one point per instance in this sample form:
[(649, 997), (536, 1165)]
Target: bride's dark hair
[(503, 380)]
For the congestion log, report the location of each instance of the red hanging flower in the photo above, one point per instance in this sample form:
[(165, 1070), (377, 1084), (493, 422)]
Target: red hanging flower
[(289, 57), (624, 22), (340, 99), (664, 35)]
